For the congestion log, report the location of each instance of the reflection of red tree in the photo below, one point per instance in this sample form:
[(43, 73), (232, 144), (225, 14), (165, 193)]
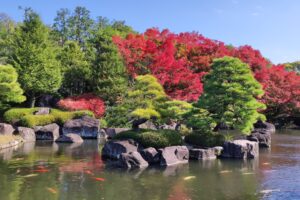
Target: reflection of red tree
[(178, 192), (95, 164)]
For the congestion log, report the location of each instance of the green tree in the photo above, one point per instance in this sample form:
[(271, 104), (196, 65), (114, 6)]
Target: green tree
[(7, 27), (80, 25), (61, 26), (230, 92), (34, 58), (10, 90), (75, 70), (109, 77)]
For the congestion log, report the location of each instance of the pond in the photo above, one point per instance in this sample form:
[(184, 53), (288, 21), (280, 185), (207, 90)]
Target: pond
[(44, 171)]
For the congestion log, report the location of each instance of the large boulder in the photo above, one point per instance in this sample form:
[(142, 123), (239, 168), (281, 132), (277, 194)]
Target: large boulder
[(264, 127), (203, 154), (70, 138), (109, 133), (240, 149), (132, 160), (262, 137), (27, 134), (148, 125), (43, 111), (114, 149), (6, 129), (151, 155), (48, 132), (174, 155), (86, 127)]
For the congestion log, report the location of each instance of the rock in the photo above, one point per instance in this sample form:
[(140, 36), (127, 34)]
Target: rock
[(109, 133), (202, 154), (264, 127), (240, 149), (114, 149), (174, 155), (70, 138), (27, 134), (6, 129), (86, 127), (132, 160), (148, 125), (218, 150), (151, 155), (43, 111), (263, 138), (48, 132)]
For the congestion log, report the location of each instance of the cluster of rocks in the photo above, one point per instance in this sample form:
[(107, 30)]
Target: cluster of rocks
[(262, 134)]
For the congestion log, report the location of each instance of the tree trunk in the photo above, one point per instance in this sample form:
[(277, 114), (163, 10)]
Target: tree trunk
[(32, 101)]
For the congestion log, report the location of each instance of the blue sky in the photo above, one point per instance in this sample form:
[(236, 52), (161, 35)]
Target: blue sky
[(272, 26)]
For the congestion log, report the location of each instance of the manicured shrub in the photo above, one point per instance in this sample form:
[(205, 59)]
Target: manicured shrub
[(15, 114), (205, 140), (36, 120), (83, 102), (25, 116), (152, 138)]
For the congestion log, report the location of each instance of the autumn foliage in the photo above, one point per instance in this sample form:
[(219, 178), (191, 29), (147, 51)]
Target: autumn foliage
[(84, 102), (179, 61)]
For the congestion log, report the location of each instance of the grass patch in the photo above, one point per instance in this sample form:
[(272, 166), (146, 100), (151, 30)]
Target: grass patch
[(152, 138), (25, 116)]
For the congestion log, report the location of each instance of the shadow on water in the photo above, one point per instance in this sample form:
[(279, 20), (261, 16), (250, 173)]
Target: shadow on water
[(44, 170)]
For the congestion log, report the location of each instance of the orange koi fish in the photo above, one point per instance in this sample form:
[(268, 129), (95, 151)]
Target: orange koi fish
[(99, 179), (53, 191)]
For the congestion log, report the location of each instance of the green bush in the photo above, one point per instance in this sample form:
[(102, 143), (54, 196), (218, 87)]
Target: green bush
[(15, 114), (152, 138), (36, 120), (205, 140), (25, 116)]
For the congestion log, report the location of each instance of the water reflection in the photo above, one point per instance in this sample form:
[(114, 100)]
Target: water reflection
[(69, 171)]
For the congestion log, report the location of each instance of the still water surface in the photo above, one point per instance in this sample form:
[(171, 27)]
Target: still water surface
[(44, 171)]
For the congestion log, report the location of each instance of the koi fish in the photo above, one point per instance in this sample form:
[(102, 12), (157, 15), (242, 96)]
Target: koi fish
[(266, 163), (248, 173), (189, 177), (88, 172), (269, 191), (99, 179), (30, 175), (41, 170), (53, 191), (225, 171)]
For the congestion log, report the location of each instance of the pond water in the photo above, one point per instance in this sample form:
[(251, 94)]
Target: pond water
[(44, 171)]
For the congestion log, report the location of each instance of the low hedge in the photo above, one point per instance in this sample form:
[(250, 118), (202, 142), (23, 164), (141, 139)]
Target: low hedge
[(25, 116), (152, 138), (205, 140)]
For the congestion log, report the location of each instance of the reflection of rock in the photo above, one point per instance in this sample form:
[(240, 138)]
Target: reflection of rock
[(6, 129), (202, 154), (45, 146), (241, 149), (174, 170), (174, 155), (70, 138), (49, 132), (113, 149), (27, 147), (27, 134), (86, 127), (132, 160), (7, 153)]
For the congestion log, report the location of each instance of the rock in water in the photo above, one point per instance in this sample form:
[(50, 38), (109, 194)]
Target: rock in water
[(70, 138), (6, 129), (86, 127), (43, 111), (151, 155), (240, 149), (114, 149), (48, 132), (27, 134), (174, 155), (263, 138), (203, 154), (132, 160)]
